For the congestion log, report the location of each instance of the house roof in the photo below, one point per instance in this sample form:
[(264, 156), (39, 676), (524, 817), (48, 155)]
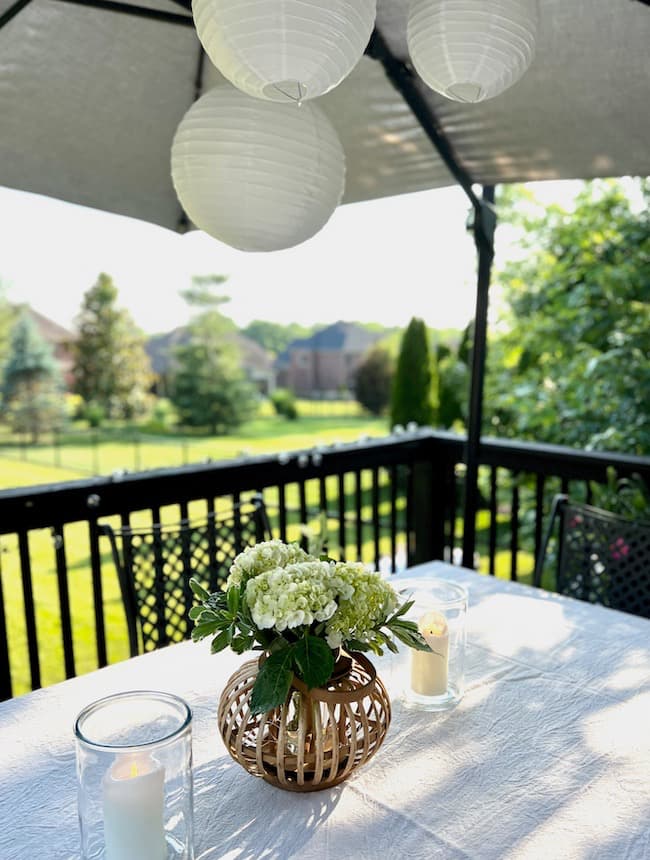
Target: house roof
[(90, 101), (49, 330), (338, 337), (160, 349)]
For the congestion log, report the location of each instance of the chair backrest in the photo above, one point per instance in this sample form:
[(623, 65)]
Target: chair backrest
[(155, 564), (602, 557)]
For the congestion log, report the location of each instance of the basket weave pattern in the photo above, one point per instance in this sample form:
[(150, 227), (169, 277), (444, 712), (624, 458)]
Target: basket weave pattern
[(318, 737)]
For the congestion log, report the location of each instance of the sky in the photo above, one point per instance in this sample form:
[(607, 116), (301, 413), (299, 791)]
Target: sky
[(380, 261)]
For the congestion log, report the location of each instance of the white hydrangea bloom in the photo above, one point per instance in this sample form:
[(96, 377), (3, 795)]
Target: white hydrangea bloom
[(264, 556), (293, 596)]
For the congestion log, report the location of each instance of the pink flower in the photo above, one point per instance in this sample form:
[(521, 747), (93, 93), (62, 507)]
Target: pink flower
[(619, 549)]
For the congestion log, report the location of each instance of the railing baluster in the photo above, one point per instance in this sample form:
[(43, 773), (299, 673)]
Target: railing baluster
[(304, 516), (6, 690), (539, 513), (358, 513), (494, 519), (375, 513), (98, 592), (342, 524), (322, 498), (409, 515), (282, 511), (453, 487), (30, 614), (64, 598), (514, 528), (393, 518)]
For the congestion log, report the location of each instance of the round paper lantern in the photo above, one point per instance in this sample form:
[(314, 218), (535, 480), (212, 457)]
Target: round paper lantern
[(472, 50), (284, 50), (256, 175)]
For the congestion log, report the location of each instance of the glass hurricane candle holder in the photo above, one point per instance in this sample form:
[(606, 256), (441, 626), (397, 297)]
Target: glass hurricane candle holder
[(436, 679), (134, 777)]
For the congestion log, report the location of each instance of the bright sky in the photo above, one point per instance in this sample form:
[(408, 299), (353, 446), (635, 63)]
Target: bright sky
[(381, 261)]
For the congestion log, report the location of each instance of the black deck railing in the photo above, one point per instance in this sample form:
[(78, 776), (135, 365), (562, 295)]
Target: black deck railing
[(390, 502)]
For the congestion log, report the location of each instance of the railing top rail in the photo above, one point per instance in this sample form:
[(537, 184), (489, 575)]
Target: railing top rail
[(35, 507)]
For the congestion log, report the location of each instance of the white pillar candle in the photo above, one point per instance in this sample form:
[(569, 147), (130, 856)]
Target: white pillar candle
[(134, 796), (429, 670)]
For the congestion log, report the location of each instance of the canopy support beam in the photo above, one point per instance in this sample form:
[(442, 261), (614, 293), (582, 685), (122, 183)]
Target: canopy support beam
[(12, 11), (137, 11)]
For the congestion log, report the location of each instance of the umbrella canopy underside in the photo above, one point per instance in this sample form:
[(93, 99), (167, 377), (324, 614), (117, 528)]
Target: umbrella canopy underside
[(90, 100)]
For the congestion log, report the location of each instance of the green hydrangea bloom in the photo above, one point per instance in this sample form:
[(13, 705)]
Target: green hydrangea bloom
[(365, 601)]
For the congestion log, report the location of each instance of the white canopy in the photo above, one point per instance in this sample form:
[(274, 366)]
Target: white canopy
[(90, 100)]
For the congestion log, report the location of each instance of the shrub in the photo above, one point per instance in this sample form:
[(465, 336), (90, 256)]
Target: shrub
[(284, 403)]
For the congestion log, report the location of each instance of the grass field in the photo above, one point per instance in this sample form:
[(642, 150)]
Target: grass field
[(77, 457)]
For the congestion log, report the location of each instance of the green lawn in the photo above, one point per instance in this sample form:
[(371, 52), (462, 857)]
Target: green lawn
[(82, 454)]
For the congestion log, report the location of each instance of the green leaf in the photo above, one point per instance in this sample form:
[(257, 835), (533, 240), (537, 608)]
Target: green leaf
[(273, 681), (220, 642), (203, 630), (314, 659), (233, 600), (198, 589), (409, 636), (195, 611)]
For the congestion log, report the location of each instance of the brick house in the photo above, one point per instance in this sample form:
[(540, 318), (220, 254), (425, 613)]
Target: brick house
[(324, 365), (255, 361), (60, 340)]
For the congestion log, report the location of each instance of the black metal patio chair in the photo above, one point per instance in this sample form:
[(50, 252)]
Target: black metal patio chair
[(155, 564), (601, 557)]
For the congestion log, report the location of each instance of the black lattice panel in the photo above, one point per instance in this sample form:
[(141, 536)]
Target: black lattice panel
[(605, 559), (158, 564)]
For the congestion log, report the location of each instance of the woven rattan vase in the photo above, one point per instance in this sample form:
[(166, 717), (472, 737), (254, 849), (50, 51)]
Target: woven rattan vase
[(318, 737)]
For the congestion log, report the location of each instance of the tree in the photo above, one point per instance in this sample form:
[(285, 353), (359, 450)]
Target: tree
[(111, 367), (415, 395), (7, 319), (374, 379), (573, 367), (209, 388), (32, 390)]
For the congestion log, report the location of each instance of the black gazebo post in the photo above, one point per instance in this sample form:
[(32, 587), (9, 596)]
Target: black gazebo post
[(484, 226)]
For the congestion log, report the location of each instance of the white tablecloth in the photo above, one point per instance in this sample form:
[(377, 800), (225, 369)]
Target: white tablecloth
[(547, 756)]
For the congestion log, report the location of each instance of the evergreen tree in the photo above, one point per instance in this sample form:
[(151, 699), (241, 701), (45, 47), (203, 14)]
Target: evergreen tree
[(209, 388), (7, 320), (374, 379), (32, 390), (414, 396), (111, 367)]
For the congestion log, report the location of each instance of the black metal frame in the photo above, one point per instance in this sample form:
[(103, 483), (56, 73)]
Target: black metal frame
[(589, 565), (251, 511)]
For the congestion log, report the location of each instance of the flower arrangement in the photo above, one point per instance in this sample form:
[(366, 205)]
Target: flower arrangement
[(300, 609)]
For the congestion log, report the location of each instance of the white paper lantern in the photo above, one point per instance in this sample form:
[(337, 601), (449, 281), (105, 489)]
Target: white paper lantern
[(256, 175), (472, 50), (284, 50)]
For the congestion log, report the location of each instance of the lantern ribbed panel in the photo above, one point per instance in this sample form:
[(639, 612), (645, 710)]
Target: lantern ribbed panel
[(472, 50), (256, 175), (284, 50)]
